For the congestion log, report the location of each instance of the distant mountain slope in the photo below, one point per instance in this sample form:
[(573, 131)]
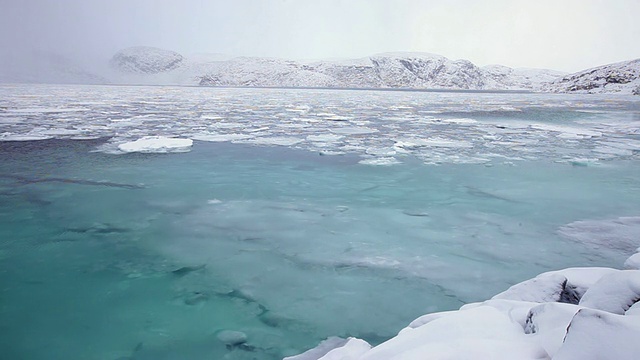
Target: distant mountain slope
[(153, 66), (622, 77), (142, 65), (146, 60)]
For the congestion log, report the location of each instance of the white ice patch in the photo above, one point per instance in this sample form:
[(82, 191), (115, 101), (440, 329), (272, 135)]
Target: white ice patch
[(324, 138), (156, 144), (222, 137), (6, 136), (276, 140), (568, 132), (381, 161), (354, 130)]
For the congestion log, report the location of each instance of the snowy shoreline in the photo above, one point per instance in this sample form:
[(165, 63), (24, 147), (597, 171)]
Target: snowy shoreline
[(569, 314)]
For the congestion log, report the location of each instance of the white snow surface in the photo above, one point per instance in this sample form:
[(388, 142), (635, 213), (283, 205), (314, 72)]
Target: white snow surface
[(531, 320), (156, 144)]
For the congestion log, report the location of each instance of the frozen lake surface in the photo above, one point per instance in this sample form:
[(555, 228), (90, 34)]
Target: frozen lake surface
[(293, 215)]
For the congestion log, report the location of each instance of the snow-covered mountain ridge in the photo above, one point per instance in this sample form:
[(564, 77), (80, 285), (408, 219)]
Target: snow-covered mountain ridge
[(143, 65), (387, 70)]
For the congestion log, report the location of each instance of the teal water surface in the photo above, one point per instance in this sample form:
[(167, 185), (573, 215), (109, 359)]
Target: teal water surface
[(151, 256)]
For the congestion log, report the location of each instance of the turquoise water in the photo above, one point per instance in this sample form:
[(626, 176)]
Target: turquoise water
[(152, 256)]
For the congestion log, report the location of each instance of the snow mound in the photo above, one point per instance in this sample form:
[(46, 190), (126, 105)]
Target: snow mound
[(614, 293), (156, 144), (146, 60), (595, 334), (633, 262)]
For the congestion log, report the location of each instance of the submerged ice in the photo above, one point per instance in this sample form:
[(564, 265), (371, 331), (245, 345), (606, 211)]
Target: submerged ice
[(267, 229)]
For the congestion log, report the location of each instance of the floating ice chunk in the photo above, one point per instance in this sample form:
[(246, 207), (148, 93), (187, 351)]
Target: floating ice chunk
[(447, 143), (37, 110), (354, 130), (633, 262), (381, 161), (337, 118), (568, 132), (157, 144), (380, 151), (214, 201), (594, 335), (222, 137), (460, 121), (6, 136), (324, 137), (276, 140), (614, 293)]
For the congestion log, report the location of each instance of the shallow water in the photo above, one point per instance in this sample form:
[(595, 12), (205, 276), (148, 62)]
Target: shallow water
[(150, 256)]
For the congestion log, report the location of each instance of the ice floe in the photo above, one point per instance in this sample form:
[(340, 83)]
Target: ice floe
[(423, 125), (156, 144)]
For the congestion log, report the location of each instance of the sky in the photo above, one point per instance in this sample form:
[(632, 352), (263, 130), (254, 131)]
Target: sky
[(567, 35)]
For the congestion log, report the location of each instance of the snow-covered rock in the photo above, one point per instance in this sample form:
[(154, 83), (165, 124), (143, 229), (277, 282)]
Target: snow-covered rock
[(614, 293), (597, 335), (568, 286), (622, 77), (479, 333), (547, 323), (146, 60), (156, 144)]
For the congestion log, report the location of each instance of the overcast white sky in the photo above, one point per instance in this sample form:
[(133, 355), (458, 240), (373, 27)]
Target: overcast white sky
[(567, 35)]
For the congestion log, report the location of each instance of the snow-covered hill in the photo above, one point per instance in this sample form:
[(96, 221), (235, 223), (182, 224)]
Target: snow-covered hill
[(153, 66), (622, 77), (387, 70)]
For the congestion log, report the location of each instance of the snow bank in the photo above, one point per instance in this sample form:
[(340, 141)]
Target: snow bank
[(156, 144), (570, 314)]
